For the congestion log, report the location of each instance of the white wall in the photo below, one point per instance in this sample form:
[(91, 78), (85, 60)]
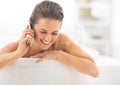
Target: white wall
[(115, 32), (15, 14), (116, 22)]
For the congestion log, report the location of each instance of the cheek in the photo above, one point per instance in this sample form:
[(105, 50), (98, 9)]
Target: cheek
[(54, 38), (38, 36)]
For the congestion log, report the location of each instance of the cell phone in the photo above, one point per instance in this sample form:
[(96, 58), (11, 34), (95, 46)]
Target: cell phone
[(29, 26), (30, 41)]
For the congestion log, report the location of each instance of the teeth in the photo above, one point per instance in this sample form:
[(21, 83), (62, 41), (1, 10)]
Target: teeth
[(45, 42)]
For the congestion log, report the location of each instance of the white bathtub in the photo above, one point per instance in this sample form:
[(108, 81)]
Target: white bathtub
[(26, 72)]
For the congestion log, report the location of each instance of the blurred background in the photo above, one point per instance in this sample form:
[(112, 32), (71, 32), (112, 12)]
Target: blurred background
[(93, 23)]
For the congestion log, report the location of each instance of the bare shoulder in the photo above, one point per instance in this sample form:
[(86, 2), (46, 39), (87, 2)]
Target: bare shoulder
[(71, 47), (65, 41), (9, 48), (63, 37)]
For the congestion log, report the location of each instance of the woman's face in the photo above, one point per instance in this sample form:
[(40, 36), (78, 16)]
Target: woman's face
[(46, 32)]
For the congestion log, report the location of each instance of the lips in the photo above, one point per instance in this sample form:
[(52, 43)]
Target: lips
[(45, 42)]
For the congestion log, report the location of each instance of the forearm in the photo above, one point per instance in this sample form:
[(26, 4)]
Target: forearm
[(9, 58), (78, 63)]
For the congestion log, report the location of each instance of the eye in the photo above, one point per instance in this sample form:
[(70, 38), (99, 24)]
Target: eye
[(54, 33), (43, 32)]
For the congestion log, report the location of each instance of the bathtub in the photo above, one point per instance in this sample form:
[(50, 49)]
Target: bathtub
[(49, 72)]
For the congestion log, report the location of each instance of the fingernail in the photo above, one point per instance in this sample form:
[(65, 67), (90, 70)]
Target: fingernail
[(37, 61), (27, 27)]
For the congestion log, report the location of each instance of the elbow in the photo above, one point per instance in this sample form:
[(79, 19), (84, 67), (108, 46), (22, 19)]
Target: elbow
[(94, 72), (90, 71), (2, 65)]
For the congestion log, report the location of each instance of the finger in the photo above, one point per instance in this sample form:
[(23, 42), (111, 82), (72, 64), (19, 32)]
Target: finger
[(29, 35), (33, 57), (40, 55), (30, 42), (44, 57), (36, 56), (26, 32), (24, 41), (40, 60), (27, 27)]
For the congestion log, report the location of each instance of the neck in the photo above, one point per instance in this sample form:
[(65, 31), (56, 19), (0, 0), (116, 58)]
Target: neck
[(35, 48)]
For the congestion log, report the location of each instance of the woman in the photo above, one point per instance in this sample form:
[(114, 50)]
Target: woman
[(45, 42)]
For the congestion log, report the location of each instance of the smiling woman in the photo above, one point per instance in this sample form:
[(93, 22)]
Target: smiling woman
[(47, 32), (47, 43)]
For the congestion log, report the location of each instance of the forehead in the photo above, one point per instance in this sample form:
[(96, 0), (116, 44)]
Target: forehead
[(48, 24)]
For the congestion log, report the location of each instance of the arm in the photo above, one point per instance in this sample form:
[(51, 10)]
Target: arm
[(11, 52), (8, 54), (80, 64), (8, 58), (71, 55), (74, 57)]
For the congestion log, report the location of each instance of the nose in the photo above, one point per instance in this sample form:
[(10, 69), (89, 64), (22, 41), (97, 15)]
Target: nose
[(48, 38)]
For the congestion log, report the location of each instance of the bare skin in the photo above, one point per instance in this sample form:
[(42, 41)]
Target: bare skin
[(48, 43)]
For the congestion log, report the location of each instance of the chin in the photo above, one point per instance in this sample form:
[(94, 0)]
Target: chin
[(45, 48)]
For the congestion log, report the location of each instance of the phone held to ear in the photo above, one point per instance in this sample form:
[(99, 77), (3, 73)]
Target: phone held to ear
[(30, 41)]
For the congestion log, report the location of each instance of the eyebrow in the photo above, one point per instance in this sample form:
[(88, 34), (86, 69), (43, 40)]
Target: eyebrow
[(46, 30), (43, 29)]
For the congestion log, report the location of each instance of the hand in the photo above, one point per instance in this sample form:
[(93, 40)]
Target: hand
[(23, 45), (46, 55)]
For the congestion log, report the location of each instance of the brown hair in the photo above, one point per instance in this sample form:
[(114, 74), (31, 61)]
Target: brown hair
[(46, 9)]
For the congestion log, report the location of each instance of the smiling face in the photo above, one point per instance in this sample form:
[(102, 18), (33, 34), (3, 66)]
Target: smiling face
[(46, 32)]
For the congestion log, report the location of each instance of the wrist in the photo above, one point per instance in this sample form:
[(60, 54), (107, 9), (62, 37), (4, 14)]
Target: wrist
[(59, 55), (19, 53)]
